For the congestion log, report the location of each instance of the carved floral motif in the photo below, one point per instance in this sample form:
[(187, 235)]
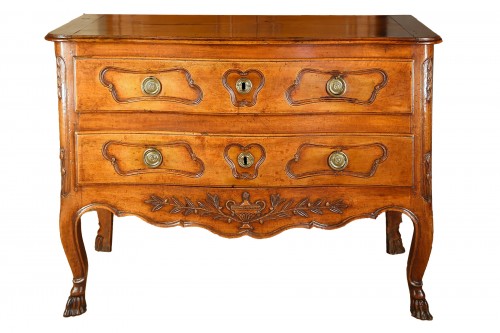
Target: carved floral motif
[(62, 95), (427, 68), (427, 71), (61, 78), (247, 212)]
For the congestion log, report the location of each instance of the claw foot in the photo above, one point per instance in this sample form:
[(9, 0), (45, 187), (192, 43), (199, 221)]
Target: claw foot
[(76, 304), (101, 245), (395, 246), (104, 236), (419, 307)]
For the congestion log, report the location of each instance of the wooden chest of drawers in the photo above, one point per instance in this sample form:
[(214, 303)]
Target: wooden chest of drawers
[(245, 125)]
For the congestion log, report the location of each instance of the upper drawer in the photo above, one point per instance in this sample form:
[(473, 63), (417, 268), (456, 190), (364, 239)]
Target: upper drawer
[(230, 87)]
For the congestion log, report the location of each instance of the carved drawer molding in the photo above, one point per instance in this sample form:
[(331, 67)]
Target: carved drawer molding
[(306, 122), (353, 93), (231, 155), (375, 153), (119, 82), (230, 81), (164, 148)]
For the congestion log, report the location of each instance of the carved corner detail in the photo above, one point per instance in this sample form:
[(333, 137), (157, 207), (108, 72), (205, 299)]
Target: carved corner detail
[(238, 99), (62, 96), (115, 161), (165, 98), (61, 79), (427, 72), (246, 212), (255, 168), (336, 73), (427, 185)]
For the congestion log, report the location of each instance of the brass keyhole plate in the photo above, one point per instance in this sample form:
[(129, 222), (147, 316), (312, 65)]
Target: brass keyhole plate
[(245, 159), (243, 85)]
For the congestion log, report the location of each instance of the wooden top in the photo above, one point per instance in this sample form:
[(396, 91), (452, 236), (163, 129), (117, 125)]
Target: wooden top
[(241, 29)]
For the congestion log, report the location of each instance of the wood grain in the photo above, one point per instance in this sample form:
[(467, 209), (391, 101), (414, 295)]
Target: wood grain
[(348, 29), (104, 238), (122, 161), (383, 123), (94, 94)]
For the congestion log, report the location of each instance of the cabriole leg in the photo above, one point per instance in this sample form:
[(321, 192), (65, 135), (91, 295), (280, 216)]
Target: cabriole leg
[(104, 238), (71, 238), (417, 262), (394, 243)]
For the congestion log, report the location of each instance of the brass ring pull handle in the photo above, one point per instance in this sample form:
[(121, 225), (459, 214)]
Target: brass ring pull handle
[(336, 86), (152, 158), (338, 161), (243, 85), (245, 159), (151, 86)]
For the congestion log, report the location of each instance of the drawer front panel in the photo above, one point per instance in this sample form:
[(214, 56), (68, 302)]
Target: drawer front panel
[(244, 161), (230, 87)]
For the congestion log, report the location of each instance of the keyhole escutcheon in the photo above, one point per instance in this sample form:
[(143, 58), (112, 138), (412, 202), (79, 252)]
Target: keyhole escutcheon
[(245, 159), (243, 85)]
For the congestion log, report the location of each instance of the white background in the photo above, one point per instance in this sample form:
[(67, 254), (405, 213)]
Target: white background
[(188, 280)]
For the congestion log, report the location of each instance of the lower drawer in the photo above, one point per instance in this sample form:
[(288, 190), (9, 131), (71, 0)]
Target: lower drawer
[(244, 161)]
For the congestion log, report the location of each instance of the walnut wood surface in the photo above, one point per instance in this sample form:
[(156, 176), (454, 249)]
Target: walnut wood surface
[(236, 123), (125, 85), (198, 160), (394, 243), (104, 238), (383, 124), (382, 28), (372, 86)]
